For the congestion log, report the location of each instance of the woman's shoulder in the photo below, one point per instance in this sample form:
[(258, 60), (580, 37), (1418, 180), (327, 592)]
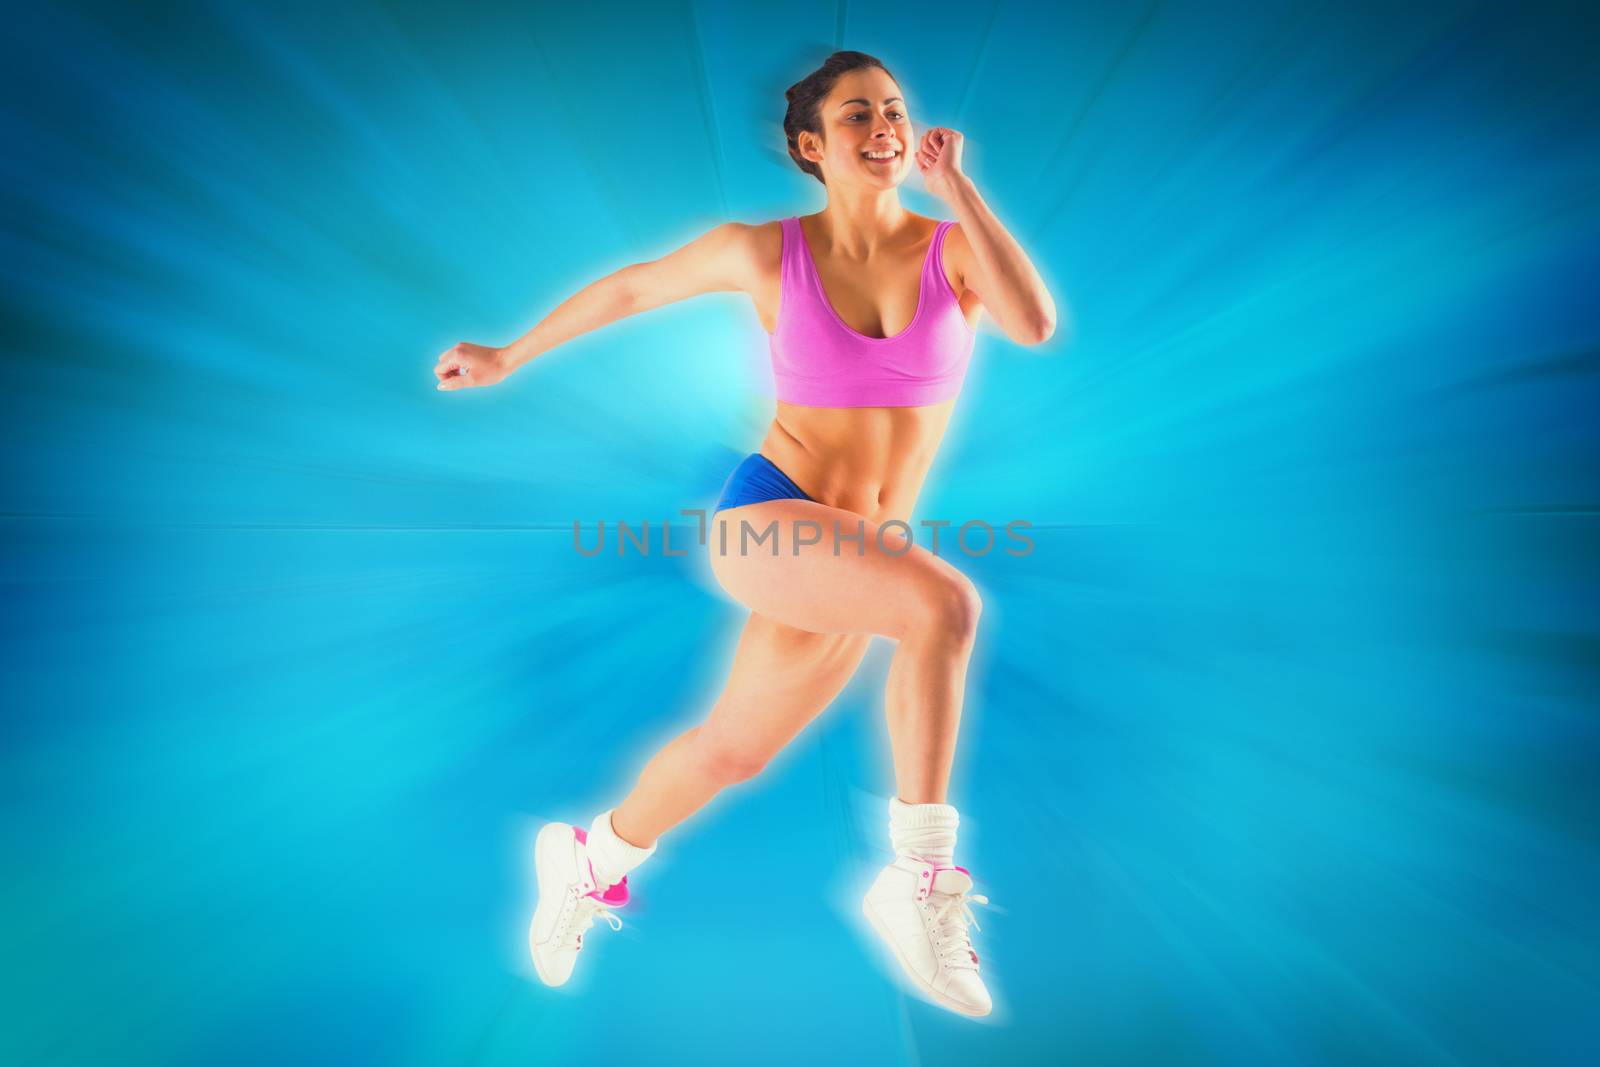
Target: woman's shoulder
[(762, 241), (956, 253), (753, 250), (757, 237)]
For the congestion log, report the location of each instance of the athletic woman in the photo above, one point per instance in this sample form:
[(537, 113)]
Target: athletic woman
[(871, 312)]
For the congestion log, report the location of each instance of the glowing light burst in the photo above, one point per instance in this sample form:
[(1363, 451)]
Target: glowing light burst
[(1278, 748)]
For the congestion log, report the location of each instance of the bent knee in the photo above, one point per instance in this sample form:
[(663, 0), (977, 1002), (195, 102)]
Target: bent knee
[(950, 607), (725, 762)]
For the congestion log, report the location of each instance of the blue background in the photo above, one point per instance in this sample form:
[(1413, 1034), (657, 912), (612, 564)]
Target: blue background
[(1280, 747)]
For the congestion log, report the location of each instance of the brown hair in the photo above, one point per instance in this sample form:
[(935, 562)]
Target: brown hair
[(806, 97)]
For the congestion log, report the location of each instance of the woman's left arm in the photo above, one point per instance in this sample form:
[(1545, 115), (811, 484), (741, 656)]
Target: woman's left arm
[(992, 264)]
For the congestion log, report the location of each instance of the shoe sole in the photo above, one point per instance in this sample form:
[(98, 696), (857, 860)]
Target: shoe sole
[(549, 892), (939, 998)]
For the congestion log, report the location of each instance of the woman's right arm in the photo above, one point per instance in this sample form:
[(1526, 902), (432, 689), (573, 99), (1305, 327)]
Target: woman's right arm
[(721, 259)]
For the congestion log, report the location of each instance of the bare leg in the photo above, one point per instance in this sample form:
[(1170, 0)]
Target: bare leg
[(781, 679), (875, 584), (922, 703)]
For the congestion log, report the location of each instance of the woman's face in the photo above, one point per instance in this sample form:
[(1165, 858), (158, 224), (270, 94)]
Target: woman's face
[(865, 114)]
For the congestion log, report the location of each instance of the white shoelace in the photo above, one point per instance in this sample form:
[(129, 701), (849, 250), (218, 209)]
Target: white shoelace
[(950, 919), (583, 918)]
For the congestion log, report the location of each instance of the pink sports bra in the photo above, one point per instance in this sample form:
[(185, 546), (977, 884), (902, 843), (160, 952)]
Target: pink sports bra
[(819, 361)]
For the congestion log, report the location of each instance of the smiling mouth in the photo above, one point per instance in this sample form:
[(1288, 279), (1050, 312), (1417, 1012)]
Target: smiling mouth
[(886, 159)]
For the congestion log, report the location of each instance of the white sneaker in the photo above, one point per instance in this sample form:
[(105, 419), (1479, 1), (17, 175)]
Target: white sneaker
[(569, 900), (919, 907)]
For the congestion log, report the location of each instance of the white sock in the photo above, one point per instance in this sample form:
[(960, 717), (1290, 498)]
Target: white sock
[(925, 830), (611, 856)]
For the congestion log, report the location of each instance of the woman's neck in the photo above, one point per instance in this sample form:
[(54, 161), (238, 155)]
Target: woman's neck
[(857, 227)]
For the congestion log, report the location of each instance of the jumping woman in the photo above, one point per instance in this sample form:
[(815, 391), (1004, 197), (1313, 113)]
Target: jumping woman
[(871, 312)]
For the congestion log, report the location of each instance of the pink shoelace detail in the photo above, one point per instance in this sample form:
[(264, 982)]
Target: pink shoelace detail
[(953, 914), (604, 899)]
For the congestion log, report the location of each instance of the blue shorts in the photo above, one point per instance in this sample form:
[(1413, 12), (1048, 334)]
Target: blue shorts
[(757, 479)]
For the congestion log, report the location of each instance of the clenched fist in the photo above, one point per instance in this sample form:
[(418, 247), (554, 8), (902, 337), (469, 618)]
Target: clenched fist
[(939, 160), (465, 364)]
